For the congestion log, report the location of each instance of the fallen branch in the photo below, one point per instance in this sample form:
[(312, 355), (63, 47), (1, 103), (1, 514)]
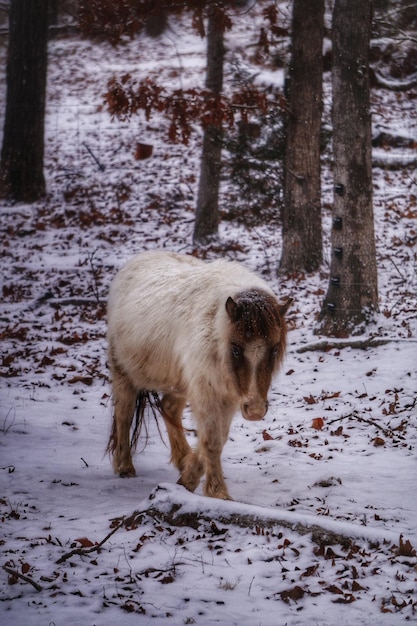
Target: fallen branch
[(26, 579), (396, 84), (171, 505), (359, 344), (386, 431), (393, 160), (57, 303)]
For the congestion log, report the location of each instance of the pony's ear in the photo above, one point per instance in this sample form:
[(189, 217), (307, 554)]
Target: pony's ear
[(231, 308), (284, 306)]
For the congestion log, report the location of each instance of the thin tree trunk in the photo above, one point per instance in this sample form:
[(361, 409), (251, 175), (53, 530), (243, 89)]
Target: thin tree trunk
[(352, 295), (21, 177), (302, 230), (207, 212)]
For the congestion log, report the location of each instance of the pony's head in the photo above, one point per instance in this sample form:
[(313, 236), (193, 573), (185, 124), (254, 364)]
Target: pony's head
[(257, 340)]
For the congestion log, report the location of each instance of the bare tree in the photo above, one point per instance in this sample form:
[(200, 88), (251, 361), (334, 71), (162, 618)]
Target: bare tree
[(21, 176), (207, 211), (302, 230), (352, 295)]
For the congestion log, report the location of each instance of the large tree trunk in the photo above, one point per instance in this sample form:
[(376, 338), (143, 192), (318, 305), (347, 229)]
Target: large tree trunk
[(352, 295), (207, 212), (21, 177), (302, 230)]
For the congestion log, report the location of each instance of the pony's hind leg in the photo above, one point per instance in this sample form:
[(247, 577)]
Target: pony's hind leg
[(124, 397), (172, 408)]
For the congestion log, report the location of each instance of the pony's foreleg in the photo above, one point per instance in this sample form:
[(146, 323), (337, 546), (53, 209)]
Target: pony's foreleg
[(124, 396), (212, 444), (213, 431), (172, 408)]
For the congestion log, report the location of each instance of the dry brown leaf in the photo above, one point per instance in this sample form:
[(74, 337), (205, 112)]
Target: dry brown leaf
[(317, 423), (310, 399), (294, 594), (405, 548), (85, 543)]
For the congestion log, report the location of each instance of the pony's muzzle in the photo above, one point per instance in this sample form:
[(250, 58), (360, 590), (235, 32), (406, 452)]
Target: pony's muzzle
[(253, 411)]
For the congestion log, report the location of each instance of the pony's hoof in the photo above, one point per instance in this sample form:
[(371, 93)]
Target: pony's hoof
[(127, 473), (182, 483)]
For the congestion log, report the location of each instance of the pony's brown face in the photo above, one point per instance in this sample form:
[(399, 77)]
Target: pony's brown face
[(256, 347)]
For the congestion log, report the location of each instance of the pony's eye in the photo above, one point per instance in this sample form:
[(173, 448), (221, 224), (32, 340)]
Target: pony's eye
[(275, 351), (237, 351)]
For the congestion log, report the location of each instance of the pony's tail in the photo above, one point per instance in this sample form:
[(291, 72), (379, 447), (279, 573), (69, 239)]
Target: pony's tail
[(145, 399)]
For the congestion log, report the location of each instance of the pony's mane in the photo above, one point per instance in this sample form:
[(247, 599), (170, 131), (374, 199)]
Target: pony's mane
[(258, 314)]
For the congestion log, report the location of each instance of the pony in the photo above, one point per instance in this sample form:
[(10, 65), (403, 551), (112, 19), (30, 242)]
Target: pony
[(212, 334)]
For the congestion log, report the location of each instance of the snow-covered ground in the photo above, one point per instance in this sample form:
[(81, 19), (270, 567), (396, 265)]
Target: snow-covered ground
[(323, 529)]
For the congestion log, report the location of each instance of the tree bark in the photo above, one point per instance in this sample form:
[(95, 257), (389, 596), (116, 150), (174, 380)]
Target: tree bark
[(302, 230), (207, 212), (21, 177), (352, 295)]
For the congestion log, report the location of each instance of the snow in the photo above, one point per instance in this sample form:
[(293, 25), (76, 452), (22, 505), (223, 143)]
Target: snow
[(323, 527)]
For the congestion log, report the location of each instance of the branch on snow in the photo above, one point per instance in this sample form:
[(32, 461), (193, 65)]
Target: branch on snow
[(83, 551), (358, 344), (393, 161), (395, 85), (173, 505), (57, 303), (15, 574)]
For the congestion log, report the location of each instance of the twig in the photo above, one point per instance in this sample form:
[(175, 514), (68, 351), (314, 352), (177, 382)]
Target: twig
[(364, 420), (156, 570), (94, 273), (100, 166), (17, 574), (57, 303), (83, 551)]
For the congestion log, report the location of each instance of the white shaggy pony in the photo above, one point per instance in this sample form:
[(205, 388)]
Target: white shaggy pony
[(208, 333)]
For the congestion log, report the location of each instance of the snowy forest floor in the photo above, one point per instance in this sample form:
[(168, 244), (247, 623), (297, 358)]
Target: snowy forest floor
[(323, 529)]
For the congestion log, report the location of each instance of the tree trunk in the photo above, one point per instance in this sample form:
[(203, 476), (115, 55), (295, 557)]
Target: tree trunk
[(21, 177), (302, 230), (352, 295), (207, 212)]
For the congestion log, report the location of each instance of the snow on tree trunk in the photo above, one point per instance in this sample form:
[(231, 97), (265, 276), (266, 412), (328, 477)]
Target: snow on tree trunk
[(352, 295)]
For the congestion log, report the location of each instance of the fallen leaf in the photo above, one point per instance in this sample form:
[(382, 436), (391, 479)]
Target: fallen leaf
[(317, 423), (86, 380), (347, 599), (405, 548), (294, 594), (85, 543), (357, 587), (334, 589), (378, 441), (330, 396), (310, 399), (166, 580)]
